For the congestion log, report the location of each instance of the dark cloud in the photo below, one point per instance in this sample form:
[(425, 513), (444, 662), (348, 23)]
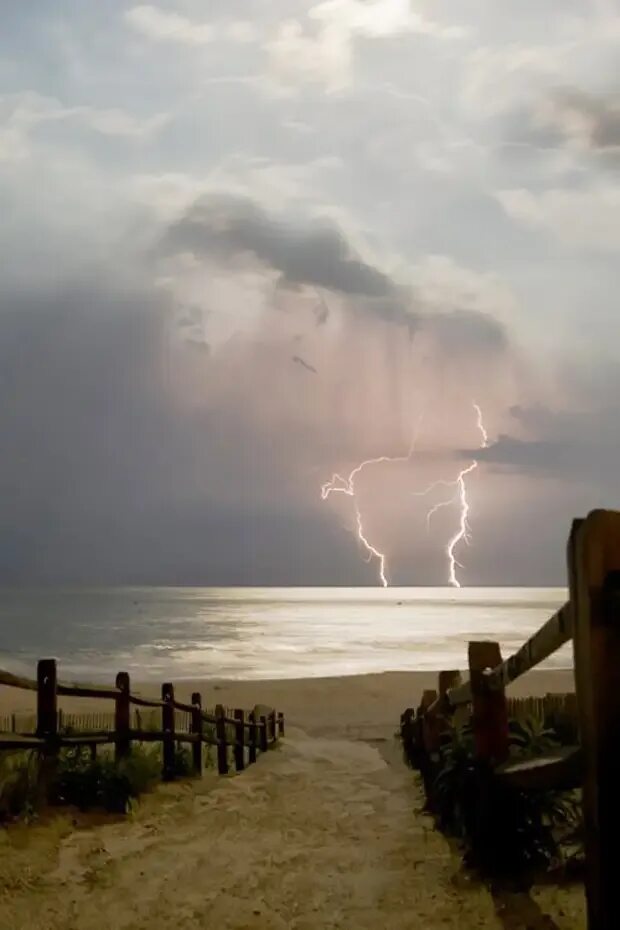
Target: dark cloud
[(581, 445), (316, 253), (594, 119)]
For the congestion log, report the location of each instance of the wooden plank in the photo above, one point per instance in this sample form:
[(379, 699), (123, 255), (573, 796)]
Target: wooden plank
[(222, 749), (18, 741), (489, 710), (561, 770), (557, 630), (594, 583), (17, 681), (66, 689), (239, 740), (167, 725), (122, 714), (138, 701)]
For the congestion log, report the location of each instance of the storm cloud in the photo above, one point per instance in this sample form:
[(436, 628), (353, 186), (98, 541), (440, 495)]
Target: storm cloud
[(316, 253)]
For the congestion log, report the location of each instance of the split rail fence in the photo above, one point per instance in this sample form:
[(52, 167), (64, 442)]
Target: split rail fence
[(591, 618), (179, 723)]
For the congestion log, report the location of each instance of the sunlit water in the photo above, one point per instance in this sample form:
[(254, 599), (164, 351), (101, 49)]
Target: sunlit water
[(156, 633)]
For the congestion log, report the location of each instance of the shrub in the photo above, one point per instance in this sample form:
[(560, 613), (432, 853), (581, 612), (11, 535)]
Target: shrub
[(103, 782), (504, 831), (19, 784)]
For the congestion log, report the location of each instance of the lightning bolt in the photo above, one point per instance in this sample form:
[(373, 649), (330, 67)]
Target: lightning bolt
[(340, 485), (463, 533)]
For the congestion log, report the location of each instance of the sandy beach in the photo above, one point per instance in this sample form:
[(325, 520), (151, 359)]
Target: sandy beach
[(362, 706), (325, 831)]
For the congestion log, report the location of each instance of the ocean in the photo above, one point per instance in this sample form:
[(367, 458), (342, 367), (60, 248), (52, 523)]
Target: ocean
[(262, 633)]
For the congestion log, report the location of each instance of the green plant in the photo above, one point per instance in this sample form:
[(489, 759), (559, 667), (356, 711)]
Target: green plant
[(531, 737), (505, 832), (19, 785), (103, 782)]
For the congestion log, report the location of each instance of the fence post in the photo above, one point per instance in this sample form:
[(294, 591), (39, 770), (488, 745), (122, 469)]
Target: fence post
[(122, 713), (167, 725), (594, 582), (239, 740), (489, 708), (222, 749), (263, 735), (47, 721), (47, 701), (197, 731), (253, 737)]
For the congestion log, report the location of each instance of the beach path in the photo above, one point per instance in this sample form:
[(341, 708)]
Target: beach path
[(319, 834)]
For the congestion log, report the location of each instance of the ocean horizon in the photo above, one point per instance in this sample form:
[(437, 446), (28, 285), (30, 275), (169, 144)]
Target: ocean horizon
[(156, 633)]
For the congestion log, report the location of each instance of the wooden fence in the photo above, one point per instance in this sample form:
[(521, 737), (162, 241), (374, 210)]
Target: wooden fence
[(177, 723), (591, 618)]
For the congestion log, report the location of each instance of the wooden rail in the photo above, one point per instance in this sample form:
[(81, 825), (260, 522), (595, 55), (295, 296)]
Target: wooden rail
[(591, 618), (238, 730)]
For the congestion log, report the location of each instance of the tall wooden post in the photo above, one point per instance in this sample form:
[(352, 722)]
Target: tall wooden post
[(594, 582), (280, 723), (489, 708), (122, 714), (431, 734), (167, 725), (239, 740), (253, 737), (263, 735), (197, 731), (222, 748), (47, 700), (47, 723)]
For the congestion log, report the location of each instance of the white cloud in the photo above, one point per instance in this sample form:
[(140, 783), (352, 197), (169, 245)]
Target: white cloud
[(22, 113), (164, 26), (327, 57), (442, 282), (580, 219)]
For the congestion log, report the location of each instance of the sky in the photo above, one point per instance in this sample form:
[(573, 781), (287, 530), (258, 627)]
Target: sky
[(246, 245)]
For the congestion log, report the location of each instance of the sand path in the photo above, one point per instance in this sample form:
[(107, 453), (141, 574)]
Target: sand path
[(321, 833)]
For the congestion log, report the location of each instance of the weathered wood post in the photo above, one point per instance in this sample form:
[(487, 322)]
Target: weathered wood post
[(280, 723), (122, 715), (431, 732), (167, 725), (47, 700), (197, 731), (263, 734), (594, 583), (47, 722), (272, 727), (222, 746), (489, 708), (239, 740), (407, 735), (253, 737)]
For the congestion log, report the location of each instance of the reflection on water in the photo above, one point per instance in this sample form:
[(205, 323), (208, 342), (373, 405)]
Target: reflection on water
[(264, 632)]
